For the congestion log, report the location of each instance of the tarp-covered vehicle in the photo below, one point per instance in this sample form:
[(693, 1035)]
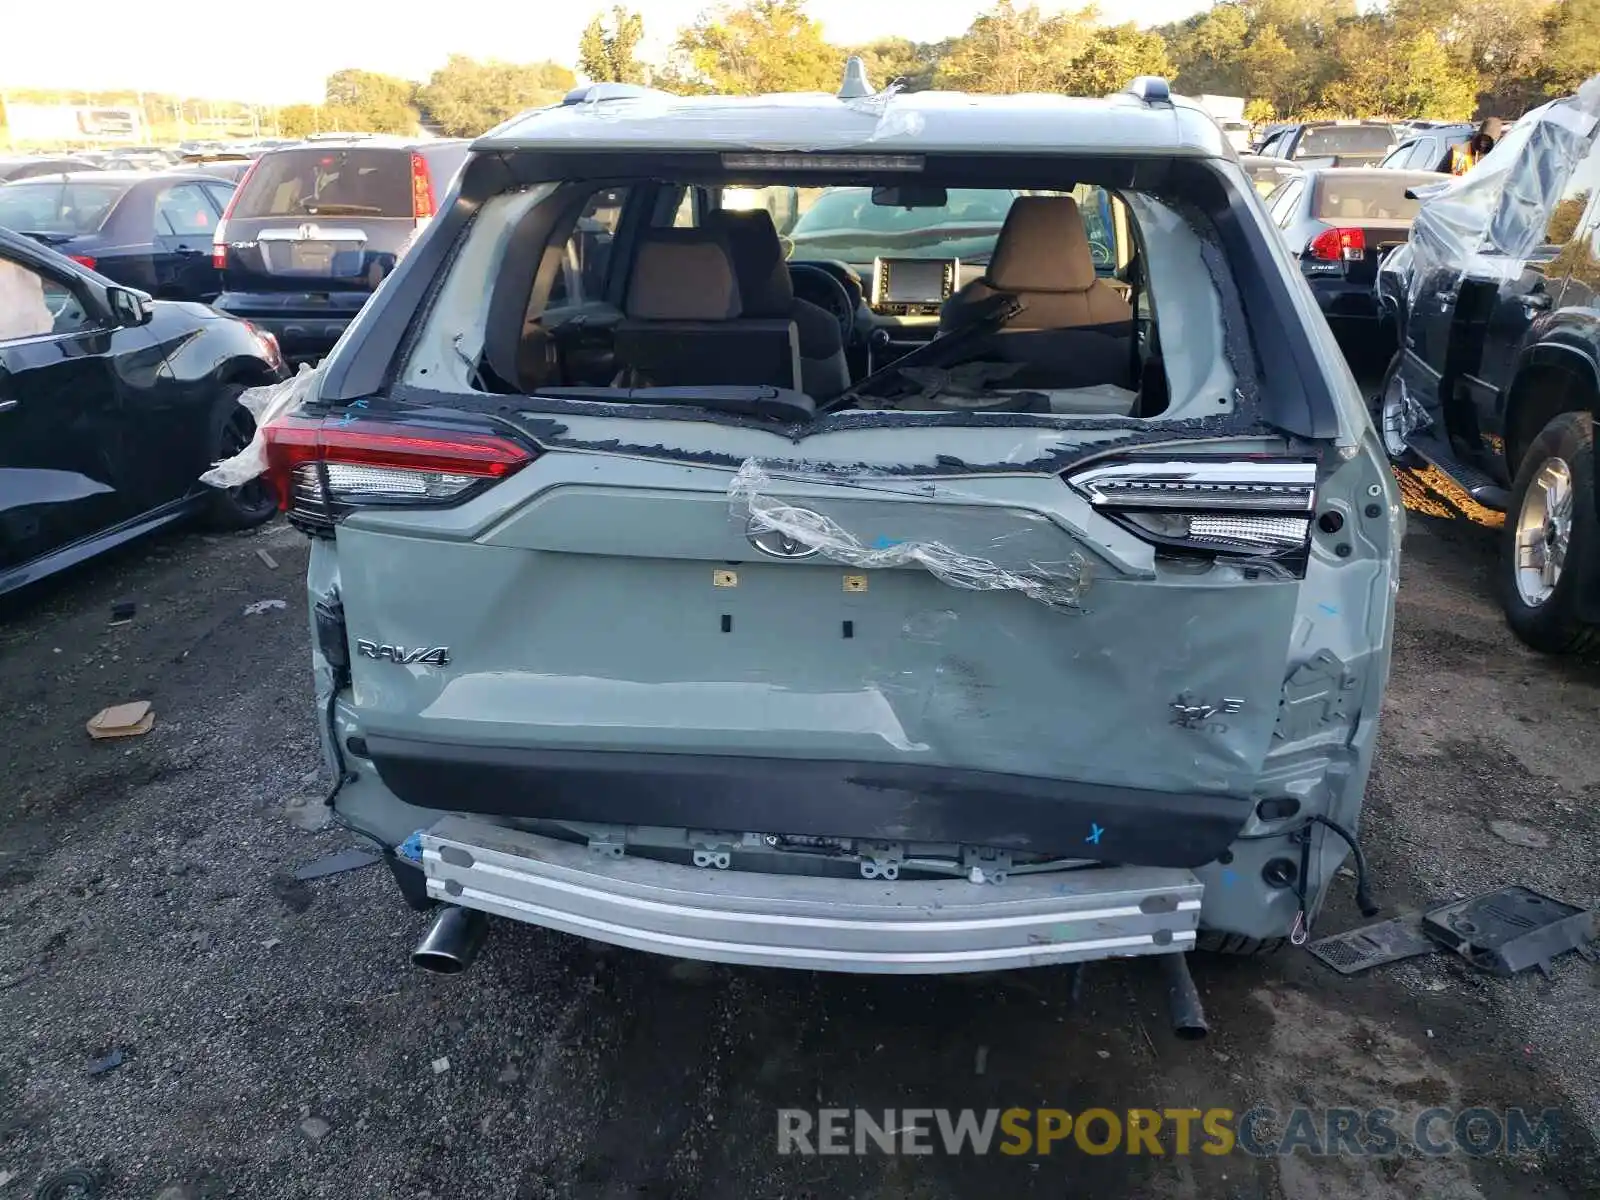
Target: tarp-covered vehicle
[(1497, 380), (754, 611)]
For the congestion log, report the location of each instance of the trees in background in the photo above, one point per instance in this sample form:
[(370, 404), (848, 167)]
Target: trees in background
[(759, 46), (369, 102), (465, 97), (608, 48)]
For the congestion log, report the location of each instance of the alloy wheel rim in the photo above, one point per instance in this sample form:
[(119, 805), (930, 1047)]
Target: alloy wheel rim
[(236, 435), (1544, 532)]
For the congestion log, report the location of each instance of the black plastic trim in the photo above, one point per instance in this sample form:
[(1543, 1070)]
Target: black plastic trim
[(877, 801)]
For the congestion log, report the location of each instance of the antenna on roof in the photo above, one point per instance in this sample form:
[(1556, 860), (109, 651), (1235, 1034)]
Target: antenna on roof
[(1152, 89), (856, 84)]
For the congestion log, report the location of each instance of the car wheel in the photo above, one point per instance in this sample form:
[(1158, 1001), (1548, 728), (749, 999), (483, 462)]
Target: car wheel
[(1551, 533), (1209, 941), (232, 427), (1389, 415)]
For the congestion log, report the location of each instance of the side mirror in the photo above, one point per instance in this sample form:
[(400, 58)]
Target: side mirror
[(128, 307)]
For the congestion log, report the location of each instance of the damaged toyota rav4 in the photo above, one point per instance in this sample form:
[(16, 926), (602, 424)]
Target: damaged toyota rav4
[(1015, 589)]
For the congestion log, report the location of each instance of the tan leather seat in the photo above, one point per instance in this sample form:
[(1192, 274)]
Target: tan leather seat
[(1042, 257)]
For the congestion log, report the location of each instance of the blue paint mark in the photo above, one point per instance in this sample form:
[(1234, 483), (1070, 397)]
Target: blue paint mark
[(347, 419), (358, 404), (1229, 877), (1331, 609), (1094, 834), (884, 543)]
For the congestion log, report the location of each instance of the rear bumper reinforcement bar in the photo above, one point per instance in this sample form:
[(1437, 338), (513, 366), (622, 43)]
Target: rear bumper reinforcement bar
[(766, 919)]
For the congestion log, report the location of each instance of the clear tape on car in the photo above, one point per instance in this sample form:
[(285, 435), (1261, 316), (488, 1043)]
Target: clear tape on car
[(773, 123), (754, 502), (264, 404), (1487, 223)]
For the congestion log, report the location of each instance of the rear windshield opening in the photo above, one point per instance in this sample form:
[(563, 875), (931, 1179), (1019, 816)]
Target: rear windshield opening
[(55, 206), (315, 182), (1366, 196), (1081, 300)]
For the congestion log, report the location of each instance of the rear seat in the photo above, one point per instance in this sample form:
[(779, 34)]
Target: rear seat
[(685, 323)]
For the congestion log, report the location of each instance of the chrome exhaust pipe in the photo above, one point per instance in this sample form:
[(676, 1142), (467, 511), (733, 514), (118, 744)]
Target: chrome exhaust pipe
[(452, 941)]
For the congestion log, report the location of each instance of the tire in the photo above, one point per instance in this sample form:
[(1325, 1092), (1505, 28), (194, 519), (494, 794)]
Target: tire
[(1212, 942), (232, 427), (1551, 545), (1385, 422)]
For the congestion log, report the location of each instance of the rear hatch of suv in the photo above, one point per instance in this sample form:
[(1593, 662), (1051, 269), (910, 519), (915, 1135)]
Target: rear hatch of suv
[(313, 230)]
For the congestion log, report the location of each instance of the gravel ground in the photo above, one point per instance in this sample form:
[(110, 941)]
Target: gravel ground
[(276, 1042)]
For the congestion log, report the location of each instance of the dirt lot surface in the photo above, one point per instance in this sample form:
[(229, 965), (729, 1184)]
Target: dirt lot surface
[(275, 1041)]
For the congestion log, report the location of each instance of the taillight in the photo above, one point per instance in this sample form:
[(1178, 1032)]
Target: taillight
[(321, 468), (219, 235), (1256, 508), (421, 188), (83, 260), (1338, 245)]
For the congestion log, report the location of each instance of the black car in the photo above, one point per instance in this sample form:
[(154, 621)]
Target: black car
[(111, 405), (26, 167), (1428, 148), (151, 232), (1339, 223), (1332, 143), (313, 230), (1496, 299)]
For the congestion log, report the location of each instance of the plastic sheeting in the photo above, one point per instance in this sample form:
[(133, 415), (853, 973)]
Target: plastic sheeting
[(753, 502), (264, 404), (1487, 223)]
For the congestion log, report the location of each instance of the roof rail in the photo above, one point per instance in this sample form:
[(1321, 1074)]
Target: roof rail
[(589, 93), (856, 84), (1152, 89)]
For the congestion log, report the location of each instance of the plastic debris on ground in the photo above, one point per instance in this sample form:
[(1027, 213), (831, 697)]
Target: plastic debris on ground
[(1511, 929), (755, 500), (123, 611), (122, 720), (334, 864), (264, 403), (109, 1063), (1357, 950), (267, 559), (261, 606)]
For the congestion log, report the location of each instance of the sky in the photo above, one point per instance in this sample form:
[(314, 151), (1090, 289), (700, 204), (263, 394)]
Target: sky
[(280, 51)]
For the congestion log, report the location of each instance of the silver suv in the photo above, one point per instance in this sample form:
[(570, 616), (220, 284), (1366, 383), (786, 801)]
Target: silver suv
[(914, 614)]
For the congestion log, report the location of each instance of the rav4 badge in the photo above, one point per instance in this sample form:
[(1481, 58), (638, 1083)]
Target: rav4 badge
[(423, 656)]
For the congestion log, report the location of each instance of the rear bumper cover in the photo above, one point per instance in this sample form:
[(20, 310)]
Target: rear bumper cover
[(873, 801), (758, 919), (298, 323)]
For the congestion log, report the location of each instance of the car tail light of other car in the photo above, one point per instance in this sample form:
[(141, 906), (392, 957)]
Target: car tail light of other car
[(84, 260), (1338, 246), (421, 189), (219, 236), (1254, 508), (321, 468)]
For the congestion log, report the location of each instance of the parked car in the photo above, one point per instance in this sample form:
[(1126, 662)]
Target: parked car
[(1494, 302), (627, 624), (110, 404), (146, 231), (1267, 173), (1332, 143), (313, 230), (230, 169), (26, 167), (1428, 148), (1339, 223)]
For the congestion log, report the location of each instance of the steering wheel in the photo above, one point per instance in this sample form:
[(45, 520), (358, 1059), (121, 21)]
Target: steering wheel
[(821, 287)]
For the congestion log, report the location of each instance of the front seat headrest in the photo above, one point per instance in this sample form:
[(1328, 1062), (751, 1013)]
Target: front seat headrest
[(765, 289), (683, 275), (1042, 247)]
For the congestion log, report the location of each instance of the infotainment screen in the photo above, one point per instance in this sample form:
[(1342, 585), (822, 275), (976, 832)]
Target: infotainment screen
[(914, 281)]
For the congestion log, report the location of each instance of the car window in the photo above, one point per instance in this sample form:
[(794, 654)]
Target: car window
[(1280, 205), (1367, 196), (1401, 155), (587, 261), (183, 210), (312, 181), (66, 206), (220, 194), (1424, 155), (36, 305), (1320, 141)]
